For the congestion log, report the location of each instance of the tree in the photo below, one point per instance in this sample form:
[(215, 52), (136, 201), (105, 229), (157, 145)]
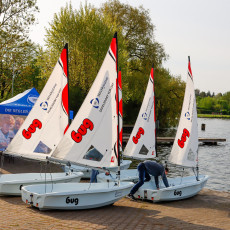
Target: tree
[(89, 32), (203, 94), (197, 92), (15, 18), (169, 95), (84, 30)]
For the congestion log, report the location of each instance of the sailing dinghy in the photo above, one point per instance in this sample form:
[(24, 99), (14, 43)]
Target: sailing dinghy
[(124, 164), (92, 140), (41, 132), (184, 153), (141, 144)]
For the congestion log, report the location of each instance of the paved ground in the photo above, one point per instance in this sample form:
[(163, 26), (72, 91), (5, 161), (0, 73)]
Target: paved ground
[(207, 210)]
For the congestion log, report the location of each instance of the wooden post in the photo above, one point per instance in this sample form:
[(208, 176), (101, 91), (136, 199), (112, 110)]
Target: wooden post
[(203, 127)]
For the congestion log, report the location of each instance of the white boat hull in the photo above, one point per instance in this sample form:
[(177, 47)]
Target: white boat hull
[(180, 188), (73, 196), (11, 184), (126, 175), (87, 171)]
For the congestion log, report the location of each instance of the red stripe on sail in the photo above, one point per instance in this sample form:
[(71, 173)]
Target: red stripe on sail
[(64, 60), (119, 80), (151, 74), (113, 47), (65, 100), (120, 86), (66, 128), (118, 142), (117, 96), (189, 68), (121, 136), (120, 108)]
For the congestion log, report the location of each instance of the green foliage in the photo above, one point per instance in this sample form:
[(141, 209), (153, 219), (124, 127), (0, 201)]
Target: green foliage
[(89, 32), (219, 104), (16, 51), (169, 98), (88, 39)]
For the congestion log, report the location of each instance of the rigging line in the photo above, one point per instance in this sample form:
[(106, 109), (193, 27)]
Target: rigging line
[(51, 177), (182, 176), (89, 185), (45, 175), (40, 169)]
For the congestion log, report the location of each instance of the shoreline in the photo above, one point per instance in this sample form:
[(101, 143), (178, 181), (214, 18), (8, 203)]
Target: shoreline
[(213, 116)]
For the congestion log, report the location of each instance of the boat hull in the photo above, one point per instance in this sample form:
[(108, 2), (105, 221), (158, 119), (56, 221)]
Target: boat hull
[(126, 175), (87, 171), (73, 196), (180, 188), (11, 184)]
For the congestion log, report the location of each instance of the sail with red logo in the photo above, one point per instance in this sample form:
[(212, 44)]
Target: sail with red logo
[(41, 132), (184, 153), (141, 144), (185, 147), (48, 120), (92, 138)]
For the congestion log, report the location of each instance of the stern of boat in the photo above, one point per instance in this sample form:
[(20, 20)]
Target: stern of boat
[(177, 191)]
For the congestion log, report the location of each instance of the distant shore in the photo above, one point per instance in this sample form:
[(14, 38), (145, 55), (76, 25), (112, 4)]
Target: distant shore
[(213, 116)]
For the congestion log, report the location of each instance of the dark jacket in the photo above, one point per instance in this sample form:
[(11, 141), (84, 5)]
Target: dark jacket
[(156, 170)]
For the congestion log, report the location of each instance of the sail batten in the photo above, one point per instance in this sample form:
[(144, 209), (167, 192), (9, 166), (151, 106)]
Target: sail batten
[(185, 147), (141, 144)]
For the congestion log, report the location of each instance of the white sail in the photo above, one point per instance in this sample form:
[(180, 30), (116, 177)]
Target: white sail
[(48, 120), (141, 144), (91, 139), (185, 147)]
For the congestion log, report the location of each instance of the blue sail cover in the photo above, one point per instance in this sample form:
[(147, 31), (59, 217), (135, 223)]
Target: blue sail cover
[(21, 104)]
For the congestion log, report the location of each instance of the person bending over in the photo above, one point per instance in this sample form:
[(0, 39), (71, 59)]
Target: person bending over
[(145, 169)]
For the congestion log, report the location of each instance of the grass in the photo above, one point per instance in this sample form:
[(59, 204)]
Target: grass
[(213, 116)]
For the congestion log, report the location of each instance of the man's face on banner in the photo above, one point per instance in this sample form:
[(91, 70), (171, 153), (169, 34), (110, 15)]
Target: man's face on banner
[(5, 128)]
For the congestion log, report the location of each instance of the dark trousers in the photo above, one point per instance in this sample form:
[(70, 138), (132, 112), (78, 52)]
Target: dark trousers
[(93, 177), (165, 180), (143, 176)]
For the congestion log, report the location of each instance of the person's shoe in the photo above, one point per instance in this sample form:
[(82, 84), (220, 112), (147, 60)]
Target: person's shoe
[(131, 196)]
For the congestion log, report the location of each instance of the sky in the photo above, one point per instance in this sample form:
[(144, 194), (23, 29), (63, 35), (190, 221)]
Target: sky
[(198, 28)]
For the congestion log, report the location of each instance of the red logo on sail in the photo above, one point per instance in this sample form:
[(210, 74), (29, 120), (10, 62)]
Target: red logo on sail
[(112, 159), (77, 136), (183, 138), (32, 129), (138, 135)]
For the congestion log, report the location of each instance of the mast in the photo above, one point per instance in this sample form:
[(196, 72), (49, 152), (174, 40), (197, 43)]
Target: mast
[(118, 112), (67, 55), (152, 73), (197, 165)]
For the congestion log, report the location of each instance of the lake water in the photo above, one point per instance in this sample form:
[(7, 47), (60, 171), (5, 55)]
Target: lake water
[(214, 160)]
